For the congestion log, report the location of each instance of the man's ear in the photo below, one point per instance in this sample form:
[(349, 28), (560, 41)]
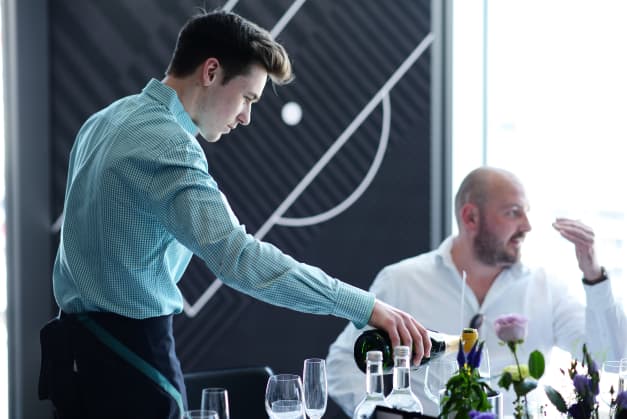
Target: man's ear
[(210, 71), (470, 217)]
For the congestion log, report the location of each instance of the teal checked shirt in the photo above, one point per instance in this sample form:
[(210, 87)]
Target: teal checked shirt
[(140, 200)]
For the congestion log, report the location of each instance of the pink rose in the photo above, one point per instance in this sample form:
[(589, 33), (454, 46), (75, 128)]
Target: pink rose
[(511, 327)]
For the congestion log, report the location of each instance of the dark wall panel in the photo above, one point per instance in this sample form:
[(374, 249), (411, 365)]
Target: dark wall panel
[(363, 81)]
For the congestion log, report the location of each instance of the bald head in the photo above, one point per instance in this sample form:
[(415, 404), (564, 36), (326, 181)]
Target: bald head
[(480, 185)]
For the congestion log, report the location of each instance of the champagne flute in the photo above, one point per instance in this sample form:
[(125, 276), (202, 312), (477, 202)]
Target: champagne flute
[(200, 414), (484, 366), (284, 397), (622, 375), (315, 387), (609, 382), (437, 374), (216, 398)]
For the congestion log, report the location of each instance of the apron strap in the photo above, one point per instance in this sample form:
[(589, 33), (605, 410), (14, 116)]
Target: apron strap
[(132, 358)]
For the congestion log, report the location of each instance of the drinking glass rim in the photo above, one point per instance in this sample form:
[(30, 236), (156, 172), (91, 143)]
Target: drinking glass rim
[(214, 389), (201, 412), (315, 360), (285, 377)]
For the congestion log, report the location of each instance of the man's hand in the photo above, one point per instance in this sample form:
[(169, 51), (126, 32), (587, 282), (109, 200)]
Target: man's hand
[(582, 237), (401, 327)]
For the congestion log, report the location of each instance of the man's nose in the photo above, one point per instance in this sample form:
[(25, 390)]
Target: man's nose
[(245, 116)]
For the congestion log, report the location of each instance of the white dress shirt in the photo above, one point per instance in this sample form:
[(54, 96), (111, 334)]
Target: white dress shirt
[(429, 287)]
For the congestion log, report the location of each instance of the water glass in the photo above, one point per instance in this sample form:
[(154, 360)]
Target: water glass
[(200, 414), (437, 373), (284, 397), (315, 387), (216, 398)]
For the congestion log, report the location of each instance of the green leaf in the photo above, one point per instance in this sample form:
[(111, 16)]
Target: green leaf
[(456, 380), (536, 364), (505, 381), (556, 399), (523, 387)]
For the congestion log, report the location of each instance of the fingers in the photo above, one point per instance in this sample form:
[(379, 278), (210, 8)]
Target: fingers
[(583, 238), (402, 329), (575, 231), (423, 337)]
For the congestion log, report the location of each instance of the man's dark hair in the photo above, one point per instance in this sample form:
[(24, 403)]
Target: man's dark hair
[(234, 41)]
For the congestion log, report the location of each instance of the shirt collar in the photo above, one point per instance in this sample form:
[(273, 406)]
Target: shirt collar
[(168, 97)]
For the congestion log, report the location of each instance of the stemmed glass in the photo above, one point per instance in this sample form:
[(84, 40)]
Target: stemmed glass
[(609, 380), (437, 374), (484, 366), (284, 397), (315, 387), (216, 398), (200, 414), (622, 375)]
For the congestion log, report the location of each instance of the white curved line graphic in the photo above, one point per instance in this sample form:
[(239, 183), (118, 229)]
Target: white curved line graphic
[(192, 310), (287, 16), (344, 137), (350, 200), (229, 5)]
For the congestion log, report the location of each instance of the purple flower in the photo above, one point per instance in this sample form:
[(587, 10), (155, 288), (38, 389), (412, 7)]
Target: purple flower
[(594, 387), (461, 357), (579, 411), (581, 384), (511, 328), (621, 400), (592, 368), (474, 356), (481, 415)]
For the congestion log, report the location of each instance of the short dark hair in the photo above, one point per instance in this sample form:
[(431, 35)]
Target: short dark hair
[(234, 41)]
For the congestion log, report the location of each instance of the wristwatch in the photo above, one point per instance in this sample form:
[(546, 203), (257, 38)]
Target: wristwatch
[(601, 278)]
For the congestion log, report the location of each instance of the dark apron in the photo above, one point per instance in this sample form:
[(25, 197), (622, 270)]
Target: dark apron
[(102, 365)]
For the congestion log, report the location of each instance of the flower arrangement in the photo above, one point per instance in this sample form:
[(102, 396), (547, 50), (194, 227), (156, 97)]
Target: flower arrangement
[(481, 415), (466, 394), (586, 388), (620, 405), (511, 329)]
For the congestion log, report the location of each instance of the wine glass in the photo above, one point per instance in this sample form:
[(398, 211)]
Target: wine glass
[(284, 397), (315, 387), (484, 366), (200, 414), (622, 375), (216, 398), (437, 373), (609, 380)]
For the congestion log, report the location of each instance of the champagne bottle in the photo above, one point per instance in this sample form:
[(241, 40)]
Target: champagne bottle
[(378, 340)]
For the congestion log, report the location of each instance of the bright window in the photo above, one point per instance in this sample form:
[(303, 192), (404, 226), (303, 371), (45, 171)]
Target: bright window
[(546, 99), (540, 88)]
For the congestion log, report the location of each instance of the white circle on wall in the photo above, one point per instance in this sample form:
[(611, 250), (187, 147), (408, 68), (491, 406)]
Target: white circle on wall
[(291, 113)]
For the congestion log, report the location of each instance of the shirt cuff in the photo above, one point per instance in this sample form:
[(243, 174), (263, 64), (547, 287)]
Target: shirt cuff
[(599, 295), (354, 304)]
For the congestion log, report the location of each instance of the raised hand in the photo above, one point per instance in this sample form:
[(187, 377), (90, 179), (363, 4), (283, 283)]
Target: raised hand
[(582, 236)]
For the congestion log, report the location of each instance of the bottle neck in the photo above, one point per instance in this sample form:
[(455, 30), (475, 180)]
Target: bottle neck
[(374, 379), (401, 373), (442, 343)]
